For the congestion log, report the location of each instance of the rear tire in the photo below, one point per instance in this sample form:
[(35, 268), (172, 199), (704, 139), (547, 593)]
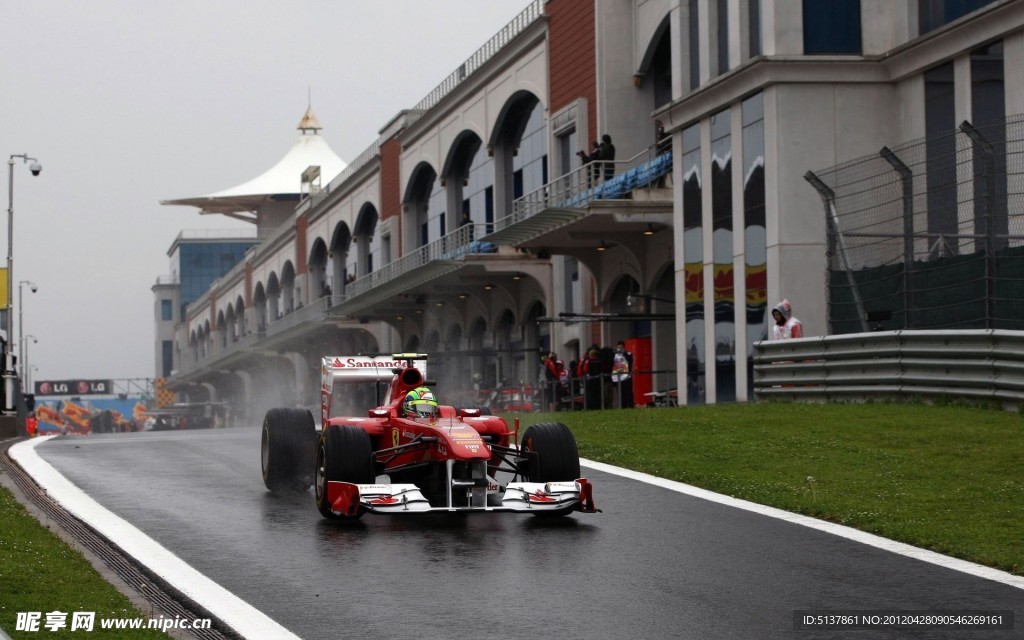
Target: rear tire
[(287, 448), (344, 454)]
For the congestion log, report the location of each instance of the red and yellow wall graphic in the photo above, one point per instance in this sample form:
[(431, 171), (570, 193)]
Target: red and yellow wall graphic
[(724, 283), (106, 414)]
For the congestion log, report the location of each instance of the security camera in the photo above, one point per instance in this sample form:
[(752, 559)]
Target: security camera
[(34, 288), (35, 168)]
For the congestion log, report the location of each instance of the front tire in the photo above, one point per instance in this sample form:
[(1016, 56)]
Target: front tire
[(344, 454), (553, 457), (557, 459), (287, 449)]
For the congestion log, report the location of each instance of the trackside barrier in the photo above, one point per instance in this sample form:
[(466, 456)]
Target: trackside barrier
[(977, 365)]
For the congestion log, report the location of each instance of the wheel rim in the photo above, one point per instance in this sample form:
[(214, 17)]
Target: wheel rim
[(321, 473), (265, 449)]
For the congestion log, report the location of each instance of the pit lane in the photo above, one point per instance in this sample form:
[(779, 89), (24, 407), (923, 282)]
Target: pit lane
[(655, 564)]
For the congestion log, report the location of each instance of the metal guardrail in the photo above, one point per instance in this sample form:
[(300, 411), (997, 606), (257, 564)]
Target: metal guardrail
[(986, 365)]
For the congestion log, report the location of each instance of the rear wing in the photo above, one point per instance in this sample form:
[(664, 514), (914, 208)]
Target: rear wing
[(353, 369)]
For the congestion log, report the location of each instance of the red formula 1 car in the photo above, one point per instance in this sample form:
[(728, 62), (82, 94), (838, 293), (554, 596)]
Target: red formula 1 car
[(446, 460)]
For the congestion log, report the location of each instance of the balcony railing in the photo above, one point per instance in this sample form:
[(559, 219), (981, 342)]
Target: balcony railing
[(457, 244), (586, 184), (483, 54), (315, 310), (335, 183)]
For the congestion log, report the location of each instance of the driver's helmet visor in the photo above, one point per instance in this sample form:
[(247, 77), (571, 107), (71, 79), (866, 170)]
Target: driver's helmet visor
[(422, 408)]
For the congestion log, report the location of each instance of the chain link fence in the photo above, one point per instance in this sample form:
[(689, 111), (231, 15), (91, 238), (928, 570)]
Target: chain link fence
[(929, 234)]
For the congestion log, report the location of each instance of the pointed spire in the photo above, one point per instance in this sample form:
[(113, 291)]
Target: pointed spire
[(309, 123)]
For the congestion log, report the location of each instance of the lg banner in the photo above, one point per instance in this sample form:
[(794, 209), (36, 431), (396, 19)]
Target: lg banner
[(74, 388)]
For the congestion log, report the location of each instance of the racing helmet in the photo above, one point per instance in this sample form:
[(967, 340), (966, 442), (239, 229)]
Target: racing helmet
[(420, 403)]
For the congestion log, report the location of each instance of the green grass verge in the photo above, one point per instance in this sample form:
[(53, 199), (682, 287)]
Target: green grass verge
[(39, 572), (945, 478)]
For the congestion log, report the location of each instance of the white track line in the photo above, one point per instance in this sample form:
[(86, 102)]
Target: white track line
[(836, 529), (232, 610)]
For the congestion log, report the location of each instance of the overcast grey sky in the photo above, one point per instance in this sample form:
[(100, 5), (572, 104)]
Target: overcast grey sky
[(126, 103)]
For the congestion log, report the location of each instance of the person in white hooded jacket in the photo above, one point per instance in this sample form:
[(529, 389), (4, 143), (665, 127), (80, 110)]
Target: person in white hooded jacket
[(786, 326)]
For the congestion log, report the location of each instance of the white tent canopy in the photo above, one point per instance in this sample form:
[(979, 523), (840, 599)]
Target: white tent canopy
[(283, 181)]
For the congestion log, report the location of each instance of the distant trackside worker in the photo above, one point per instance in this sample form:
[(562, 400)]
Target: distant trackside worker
[(786, 326)]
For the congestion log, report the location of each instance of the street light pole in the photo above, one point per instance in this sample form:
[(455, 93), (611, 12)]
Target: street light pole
[(21, 326), (9, 375), (25, 388)]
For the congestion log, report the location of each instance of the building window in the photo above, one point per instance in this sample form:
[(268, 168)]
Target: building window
[(479, 178), (660, 70), (723, 35), (694, 37), (530, 163), (832, 26), (754, 229), (572, 290), (940, 153), (489, 208), (437, 203), (722, 255), (568, 145), (693, 254), (754, 14), (933, 14), (988, 115), (167, 353), (166, 310)]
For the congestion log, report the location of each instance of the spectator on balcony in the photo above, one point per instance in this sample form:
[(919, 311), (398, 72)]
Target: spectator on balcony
[(591, 159), (662, 141), (606, 154), (466, 220)]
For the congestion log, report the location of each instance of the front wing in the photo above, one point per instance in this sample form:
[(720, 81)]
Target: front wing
[(348, 499)]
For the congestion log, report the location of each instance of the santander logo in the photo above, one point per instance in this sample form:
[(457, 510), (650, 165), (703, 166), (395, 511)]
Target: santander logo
[(368, 363)]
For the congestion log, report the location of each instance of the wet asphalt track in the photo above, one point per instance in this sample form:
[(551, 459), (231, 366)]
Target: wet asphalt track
[(656, 564)]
